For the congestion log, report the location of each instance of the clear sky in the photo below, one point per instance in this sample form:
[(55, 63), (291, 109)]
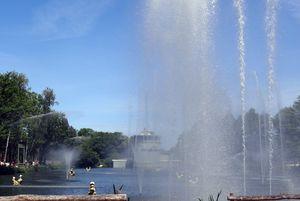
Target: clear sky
[(90, 52)]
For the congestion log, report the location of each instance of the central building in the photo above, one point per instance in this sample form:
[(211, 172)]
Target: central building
[(146, 150)]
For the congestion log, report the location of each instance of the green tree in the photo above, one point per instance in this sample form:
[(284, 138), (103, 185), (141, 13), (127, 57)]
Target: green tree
[(48, 100), (17, 102), (88, 158), (106, 145), (49, 132), (86, 132), (290, 128), (21, 108)]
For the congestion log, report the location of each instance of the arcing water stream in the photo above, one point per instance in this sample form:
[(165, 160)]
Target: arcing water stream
[(24, 119)]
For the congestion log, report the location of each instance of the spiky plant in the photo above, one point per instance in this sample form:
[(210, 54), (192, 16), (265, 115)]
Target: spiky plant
[(211, 197)]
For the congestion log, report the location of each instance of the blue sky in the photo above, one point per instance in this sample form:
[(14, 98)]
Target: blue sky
[(90, 52), (287, 49)]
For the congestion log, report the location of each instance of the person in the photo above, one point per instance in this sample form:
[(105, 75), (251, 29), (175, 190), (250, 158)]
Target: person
[(92, 188), (20, 180), (35, 165), (15, 182), (71, 172)]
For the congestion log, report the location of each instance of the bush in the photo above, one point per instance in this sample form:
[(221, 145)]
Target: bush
[(21, 169), (88, 158), (107, 162), (55, 166), (211, 197)]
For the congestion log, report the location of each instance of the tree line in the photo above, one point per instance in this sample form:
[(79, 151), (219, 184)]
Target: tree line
[(99, 148), (28, 118), (285, 139)]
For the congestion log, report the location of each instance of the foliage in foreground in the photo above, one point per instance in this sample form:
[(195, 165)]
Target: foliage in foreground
[(211, 197)]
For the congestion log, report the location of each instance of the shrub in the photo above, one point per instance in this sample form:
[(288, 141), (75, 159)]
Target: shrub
[(211, 197), (88, 158)]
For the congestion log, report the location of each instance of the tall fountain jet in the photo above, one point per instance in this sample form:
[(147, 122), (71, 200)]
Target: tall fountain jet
[(189, 109), (259, 103), (184, 95), (271, 21), (239, 4)]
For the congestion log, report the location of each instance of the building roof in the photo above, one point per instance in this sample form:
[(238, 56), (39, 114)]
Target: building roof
[(146, 132)]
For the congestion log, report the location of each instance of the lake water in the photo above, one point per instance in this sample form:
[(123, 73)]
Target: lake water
[(155, 184), (53, 182)]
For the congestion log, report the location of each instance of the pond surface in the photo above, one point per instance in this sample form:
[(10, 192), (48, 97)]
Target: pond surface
[(54, 182), (156, 185)]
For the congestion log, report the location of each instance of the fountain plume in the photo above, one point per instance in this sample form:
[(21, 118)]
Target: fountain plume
[(271, 21), (239, 4), (183, 92)]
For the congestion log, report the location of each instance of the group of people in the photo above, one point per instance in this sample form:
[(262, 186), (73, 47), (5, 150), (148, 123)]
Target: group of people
[(6, 164), (14, 164)]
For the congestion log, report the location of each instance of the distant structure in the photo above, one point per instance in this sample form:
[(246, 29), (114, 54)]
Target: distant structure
[(119, 163), (147, 152)]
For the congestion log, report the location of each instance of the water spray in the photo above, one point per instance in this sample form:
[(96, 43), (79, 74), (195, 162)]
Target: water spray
[(239, 4), (262, 170), (271, 21)]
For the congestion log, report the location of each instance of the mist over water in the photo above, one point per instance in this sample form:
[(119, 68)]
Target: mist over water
[(181, 84), (181, 100), (180, 77), (260, 103)]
